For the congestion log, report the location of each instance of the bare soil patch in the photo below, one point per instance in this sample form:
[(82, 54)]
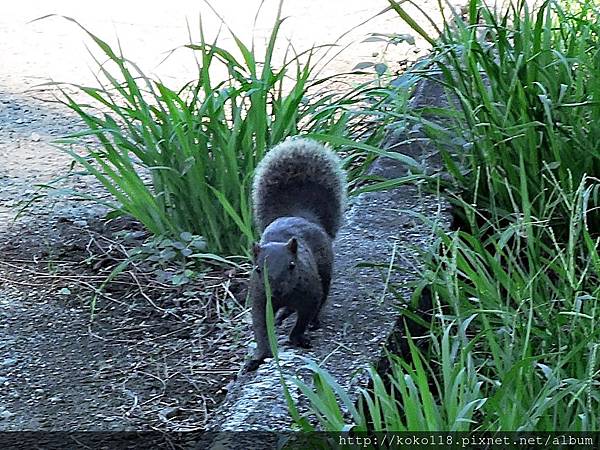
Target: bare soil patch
[(154, 356)]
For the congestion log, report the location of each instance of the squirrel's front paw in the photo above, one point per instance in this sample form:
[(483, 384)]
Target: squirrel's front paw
[(300, 341)]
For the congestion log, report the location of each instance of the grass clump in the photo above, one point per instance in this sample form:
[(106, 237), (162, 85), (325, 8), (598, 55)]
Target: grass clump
[(534, 303), (514, 341), (528, 96), (181, 161)]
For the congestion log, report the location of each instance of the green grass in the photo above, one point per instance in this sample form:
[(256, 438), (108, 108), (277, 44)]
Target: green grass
[(534, 303), (528, 99), (182, 161), (514, 342)]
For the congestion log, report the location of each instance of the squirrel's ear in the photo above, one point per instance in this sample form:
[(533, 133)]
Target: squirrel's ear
[(255, 249), (292, 245)]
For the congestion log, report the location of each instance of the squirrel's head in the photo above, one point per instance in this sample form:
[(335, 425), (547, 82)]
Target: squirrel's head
[(281, 261)]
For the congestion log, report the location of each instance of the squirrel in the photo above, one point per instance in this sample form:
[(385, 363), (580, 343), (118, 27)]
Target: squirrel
[(299, 197)]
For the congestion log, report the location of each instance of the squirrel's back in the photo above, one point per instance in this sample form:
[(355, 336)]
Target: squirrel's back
[(300, 178)]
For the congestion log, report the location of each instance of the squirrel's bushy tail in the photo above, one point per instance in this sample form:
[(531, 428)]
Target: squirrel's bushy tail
[(301, 178)]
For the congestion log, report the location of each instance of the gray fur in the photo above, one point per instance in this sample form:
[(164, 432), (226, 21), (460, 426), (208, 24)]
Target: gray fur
[(299, 196), (300, 178)]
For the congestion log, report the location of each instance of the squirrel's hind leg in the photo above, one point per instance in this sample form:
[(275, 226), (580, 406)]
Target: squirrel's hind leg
[(307, 307), (297, 335), (315, 322)]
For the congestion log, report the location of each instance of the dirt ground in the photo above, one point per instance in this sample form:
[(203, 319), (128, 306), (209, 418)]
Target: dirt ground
[(155, 356)]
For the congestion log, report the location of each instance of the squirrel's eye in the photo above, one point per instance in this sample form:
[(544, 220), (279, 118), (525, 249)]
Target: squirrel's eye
[(292, 264), (258, 269)]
